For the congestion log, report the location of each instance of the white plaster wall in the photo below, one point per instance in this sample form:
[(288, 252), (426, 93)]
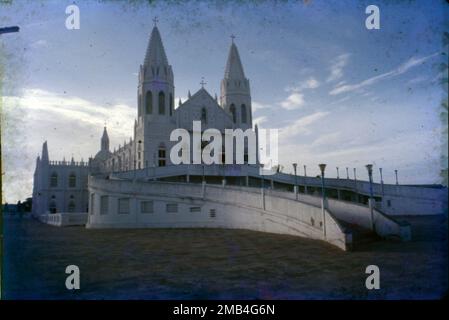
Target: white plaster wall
[(233, 209)]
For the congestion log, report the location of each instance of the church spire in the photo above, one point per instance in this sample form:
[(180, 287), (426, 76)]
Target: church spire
[(45, 152), (235, 96), (155, 54), (234, 67), (105, 140)]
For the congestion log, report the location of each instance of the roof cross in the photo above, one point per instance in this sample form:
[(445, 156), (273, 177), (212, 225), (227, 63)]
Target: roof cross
[(155, 20), (202, 83), (232, 38)]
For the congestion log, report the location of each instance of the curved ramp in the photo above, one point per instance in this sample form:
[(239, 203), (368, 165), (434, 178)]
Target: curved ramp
[(184, 205)]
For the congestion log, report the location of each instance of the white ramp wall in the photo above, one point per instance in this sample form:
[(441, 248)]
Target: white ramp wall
[(128, 204)]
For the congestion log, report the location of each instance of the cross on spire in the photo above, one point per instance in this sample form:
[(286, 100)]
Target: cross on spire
[(232, 38), (202, 83), (155, 20)]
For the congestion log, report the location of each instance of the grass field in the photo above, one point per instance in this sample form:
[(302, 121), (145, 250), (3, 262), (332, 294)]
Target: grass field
[(217, 264)]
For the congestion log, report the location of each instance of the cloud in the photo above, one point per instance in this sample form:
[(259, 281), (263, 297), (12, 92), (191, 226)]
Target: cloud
[(39, 43), (293, 101), (260, 120), (256, 106), (327, 139), (310, 83), (404, 67), (301, 125), (70, 124), (338, 64)]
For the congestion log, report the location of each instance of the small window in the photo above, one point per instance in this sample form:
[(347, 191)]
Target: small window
[(161, 155), (389, 203), (244, 114), (172, 207), (161, 102), (104, 205), (92, 198), (54, 180), (195, 209), (212, 213), (203, 115), (71, 206), (233, 114), (312, 221), (149, 103), (146, 207), (72, 180), (123, 206)]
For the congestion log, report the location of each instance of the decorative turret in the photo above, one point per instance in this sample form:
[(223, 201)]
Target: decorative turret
[(235, 91), (45, 157), (105, 140)]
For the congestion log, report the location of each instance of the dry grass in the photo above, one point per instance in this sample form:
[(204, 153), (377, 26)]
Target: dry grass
[(217, 264)]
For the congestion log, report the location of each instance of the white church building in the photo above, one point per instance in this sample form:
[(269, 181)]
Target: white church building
[(138, 186)]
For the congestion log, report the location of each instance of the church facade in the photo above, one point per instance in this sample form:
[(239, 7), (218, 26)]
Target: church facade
[(62, 186)]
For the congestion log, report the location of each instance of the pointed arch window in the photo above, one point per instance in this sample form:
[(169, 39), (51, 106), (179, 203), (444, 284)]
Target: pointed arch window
[(161, 102), (171, 104), (161, 155), (72, 180), (234, 116), (244, 114), (203, 115), (52, 206), (149, 103), (54, 180)]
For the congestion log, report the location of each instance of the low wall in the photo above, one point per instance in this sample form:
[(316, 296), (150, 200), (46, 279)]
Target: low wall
[(388, 227), (181, 205), (357, 214), (396, 199), (64, 219)]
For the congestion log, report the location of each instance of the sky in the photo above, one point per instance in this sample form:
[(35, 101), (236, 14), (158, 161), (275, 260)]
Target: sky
[(339, 93)]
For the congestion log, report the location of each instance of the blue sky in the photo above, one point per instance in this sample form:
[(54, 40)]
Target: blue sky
[(339, 93)]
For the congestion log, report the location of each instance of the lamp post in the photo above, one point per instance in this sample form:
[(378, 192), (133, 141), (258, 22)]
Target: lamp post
[(347, 173), (138, 158), (305, 176), (323, 197), (369, 167), (203, 178), (381, 181), (296, 181), (338, 174), (262, 188), (396, 174)]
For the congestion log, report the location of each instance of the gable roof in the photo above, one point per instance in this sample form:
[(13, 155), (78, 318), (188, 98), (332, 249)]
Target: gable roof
[(197, 97)]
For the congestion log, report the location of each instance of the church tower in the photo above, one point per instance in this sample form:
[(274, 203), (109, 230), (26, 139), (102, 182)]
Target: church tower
[(235, 92), (155, 102)]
